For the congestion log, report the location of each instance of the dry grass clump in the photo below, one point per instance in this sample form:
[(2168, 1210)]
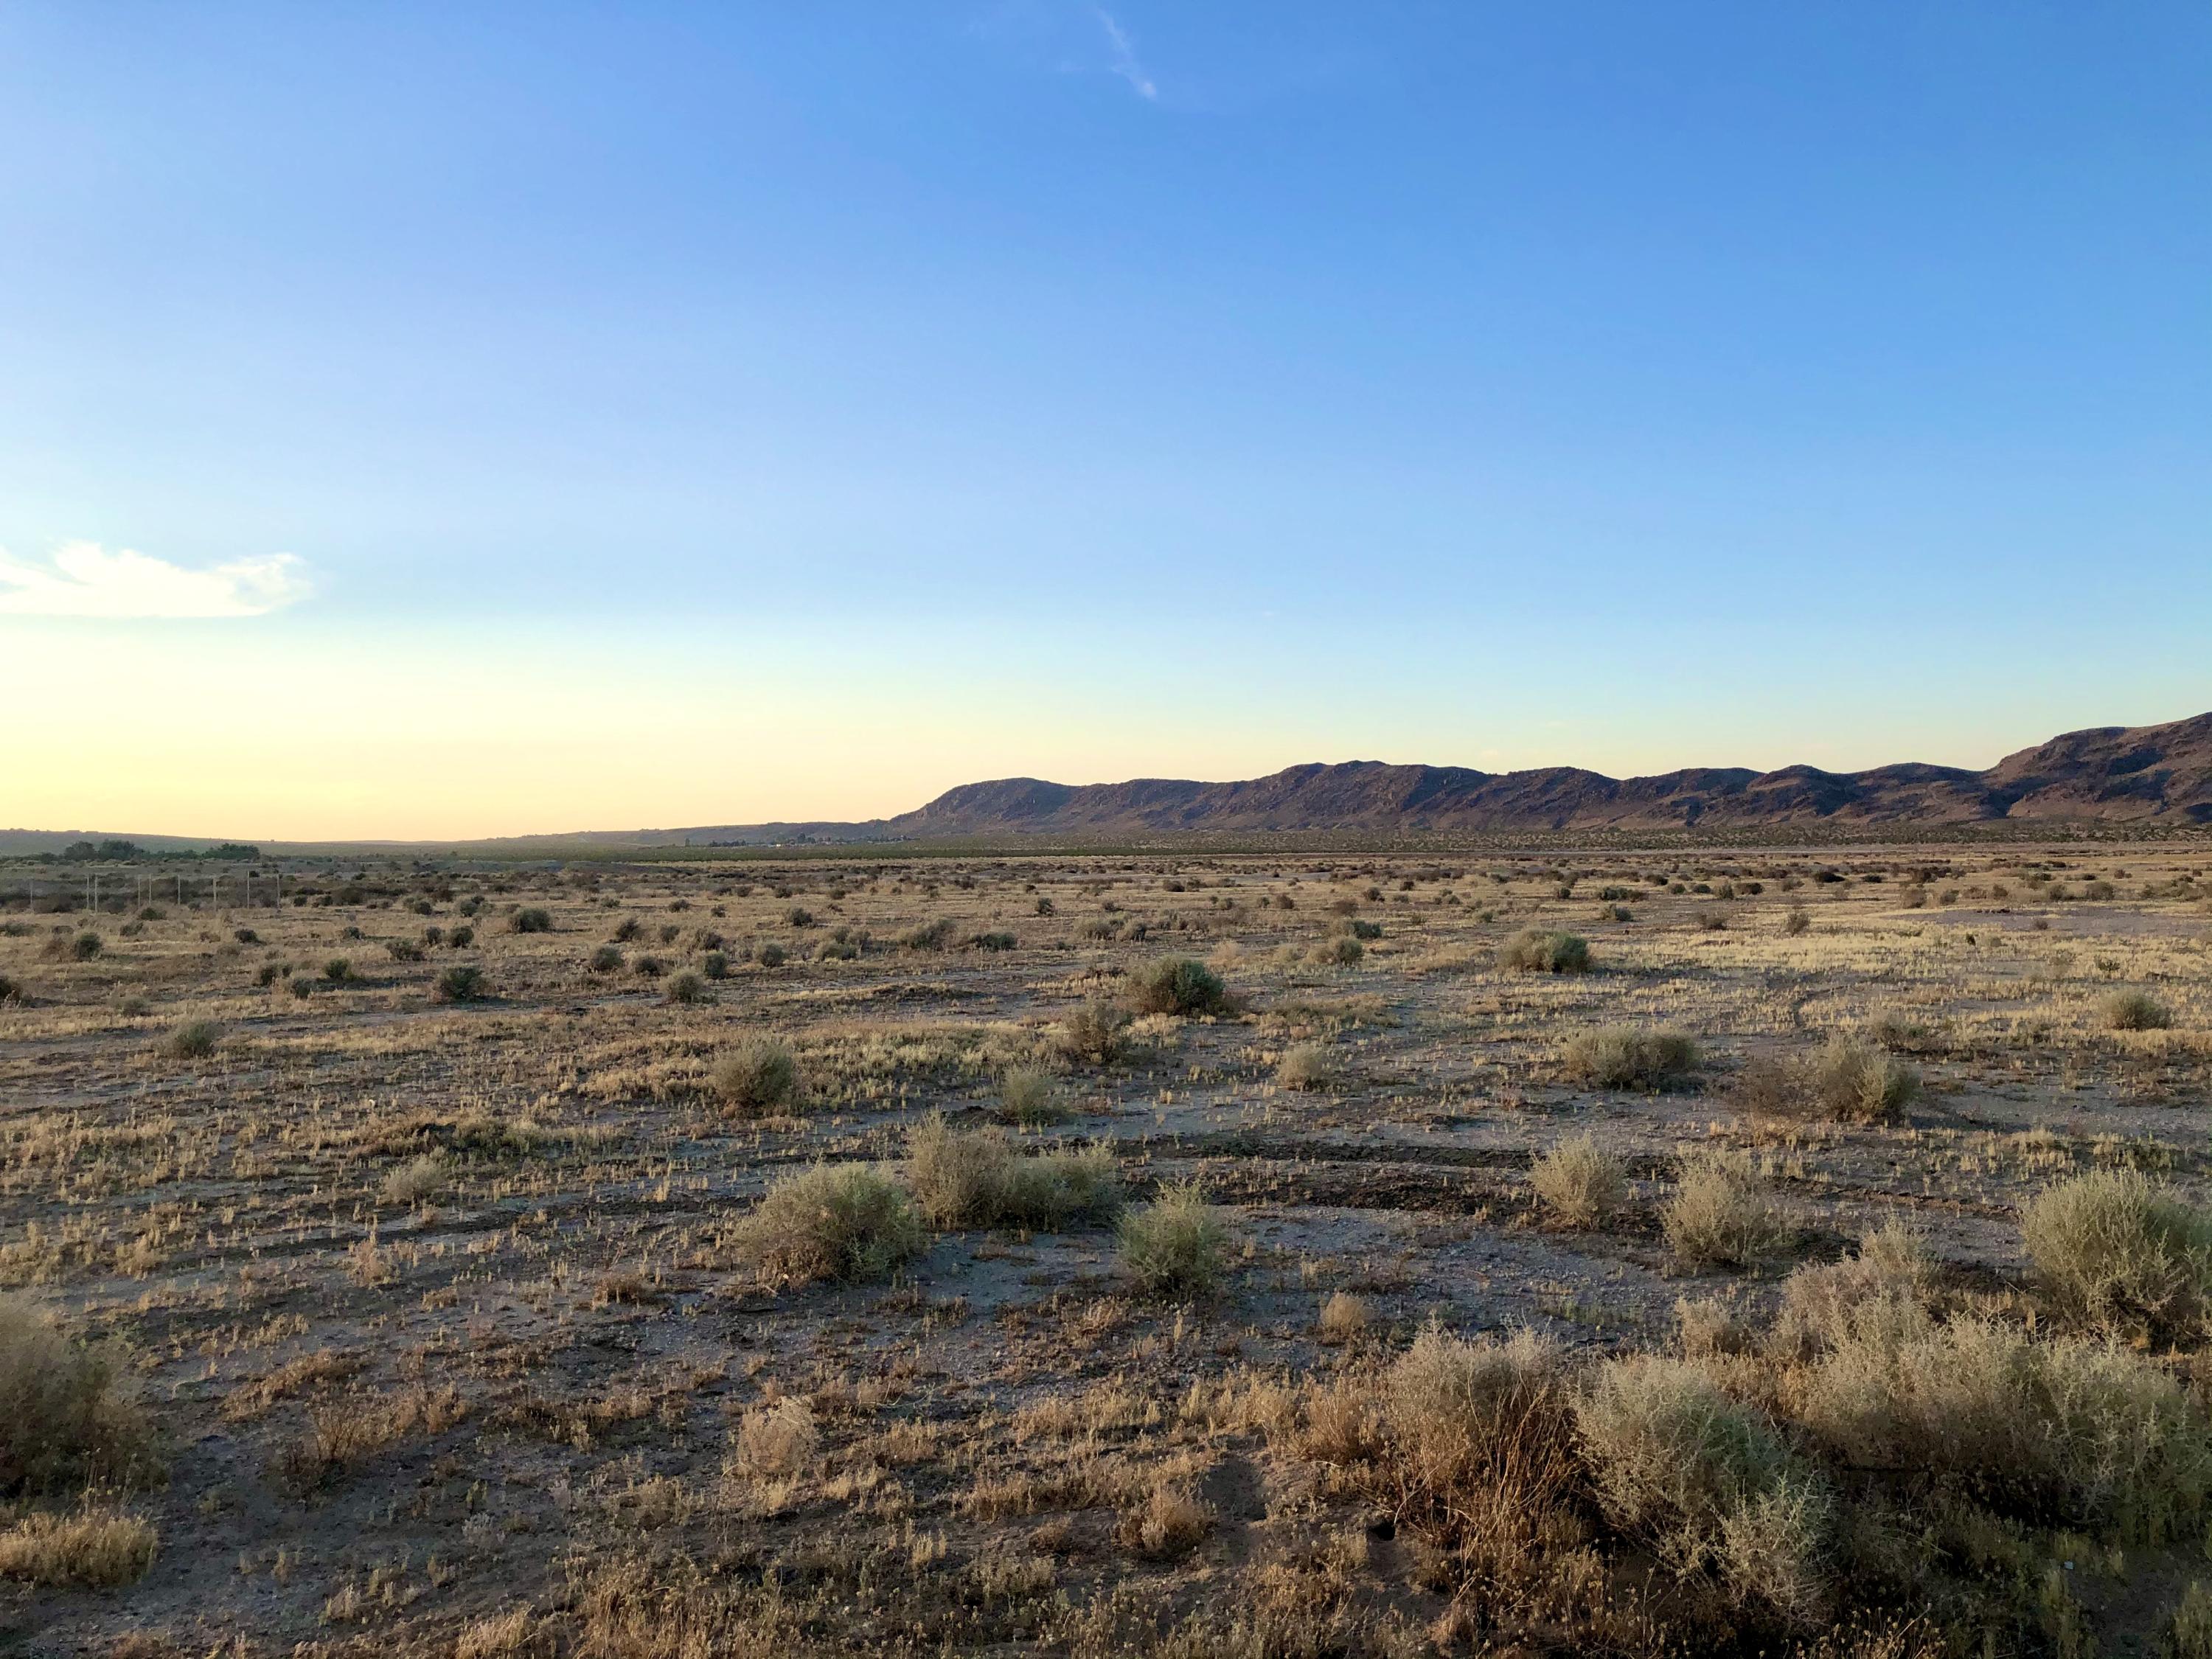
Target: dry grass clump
[(192, 1039), (2116, 1249), (1030, 1097), (1720, 1213), (1177, 985), (1095, 1033), (1706, 1481), (1344, 1318), (1545, 951), (1304, 1066), (2058, 1432), (64, 1418), (1631, 1057), (93, 1549), (1884, 1288), (1848, 1080), (774, 1442), (836, 1221), (416, 1180), (2135, 1011), (981, 1178), (1176, 1245), (1579, 1181), (758, 1076), (347, 1433)]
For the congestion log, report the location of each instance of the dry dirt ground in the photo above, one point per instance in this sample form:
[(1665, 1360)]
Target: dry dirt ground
[(440, 1316)]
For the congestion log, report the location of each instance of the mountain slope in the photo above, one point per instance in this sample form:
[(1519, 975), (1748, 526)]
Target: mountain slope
[(2108, 773)]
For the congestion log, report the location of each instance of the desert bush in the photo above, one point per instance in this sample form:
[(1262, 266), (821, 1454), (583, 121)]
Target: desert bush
[(460, 938), (10, 990), (687, 986), (2122, 1252), (2135, 1011), (1847, 1079), (1720, 1213), (1797, 922), (403, 950), (770, 955), (85, 947), (606, 959), (1304, 1066), (841, 1221), (648, 967), (1177, 985), (930, 936), (774, 1442), (1579, 1181), (300, 985), (97, 1548), (1343, 1318), (1856, 1082), (531, 920), (416, 1180), (1708, 1482), (1343, 951), (64, 1418), (628, 930), (2060, 1433), (1093, 1033), (337, 970), (1630, 1057), (715, 964), (1900, 1033), (759, 1075), (1545, 951), (995, 940), (1176, 1245), (192, 1039), (462, 983), (981, 1178), (1029, 1097), (1881, 1291)]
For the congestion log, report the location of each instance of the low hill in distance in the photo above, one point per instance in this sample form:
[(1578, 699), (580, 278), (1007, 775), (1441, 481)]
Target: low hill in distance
[(2144, 776)]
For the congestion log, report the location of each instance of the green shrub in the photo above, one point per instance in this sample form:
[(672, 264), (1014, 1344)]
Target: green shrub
[(981, 1178), (404, 949), (460, 983), (1178, 1244), (687, 986), (531, 920), (1545, 951), (337, 970), (2135, 1011), (1177, 985), (2115, 1248), (86, 945), (1721, 1214), (194, 1039), (1580, 1182), (770, 955), (606, 959), (1630, 1057), (841, 1221), (715, 965), (758, 1076)]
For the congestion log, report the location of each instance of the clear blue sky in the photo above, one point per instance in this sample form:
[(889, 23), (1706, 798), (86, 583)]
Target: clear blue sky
[(601, 415)]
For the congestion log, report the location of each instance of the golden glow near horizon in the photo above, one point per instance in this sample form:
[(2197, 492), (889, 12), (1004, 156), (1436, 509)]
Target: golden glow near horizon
[(265, 732)]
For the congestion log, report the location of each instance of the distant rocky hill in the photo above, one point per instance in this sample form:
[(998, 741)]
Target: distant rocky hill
[(2111, 773)]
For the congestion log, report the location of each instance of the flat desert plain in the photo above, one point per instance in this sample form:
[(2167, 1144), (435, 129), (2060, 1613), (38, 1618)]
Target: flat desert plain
[(1679, 1251)]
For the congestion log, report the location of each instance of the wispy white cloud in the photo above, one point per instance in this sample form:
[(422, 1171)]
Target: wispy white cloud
[(1126, 63), (83, 578)]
